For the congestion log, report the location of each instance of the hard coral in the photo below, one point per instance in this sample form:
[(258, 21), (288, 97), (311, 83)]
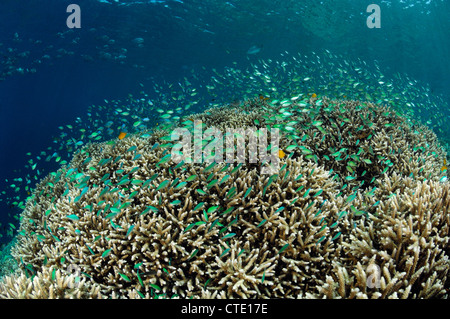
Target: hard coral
[(134, 224)]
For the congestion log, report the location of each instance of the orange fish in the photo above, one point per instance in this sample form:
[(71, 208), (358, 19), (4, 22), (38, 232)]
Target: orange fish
[(281, 154), (314, 95), (261, 97), (122, 135), (444, 168)]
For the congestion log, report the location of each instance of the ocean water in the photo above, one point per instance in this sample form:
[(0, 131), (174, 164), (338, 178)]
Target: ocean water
[(62, 87)]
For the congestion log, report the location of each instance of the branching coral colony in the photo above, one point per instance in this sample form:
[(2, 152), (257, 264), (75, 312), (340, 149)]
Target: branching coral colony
[(358, 208)]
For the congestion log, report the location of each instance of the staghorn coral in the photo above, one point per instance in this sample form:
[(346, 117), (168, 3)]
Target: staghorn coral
[(136, 225), (50, 283), (8, 264), (164, 246), (403, 250), (367, 141), (358, 141), (250, 114)]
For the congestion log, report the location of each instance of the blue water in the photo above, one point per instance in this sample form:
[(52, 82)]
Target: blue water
[(51, 74)]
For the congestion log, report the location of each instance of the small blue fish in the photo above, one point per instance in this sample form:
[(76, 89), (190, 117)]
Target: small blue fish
[(254, 49)]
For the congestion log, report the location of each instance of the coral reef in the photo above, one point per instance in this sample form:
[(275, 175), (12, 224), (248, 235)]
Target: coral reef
[(405, 247), (8, 264), (356, 209), (50, 283)]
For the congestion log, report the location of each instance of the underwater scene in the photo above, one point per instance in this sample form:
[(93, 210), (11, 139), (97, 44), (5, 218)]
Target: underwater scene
[(212, 149)]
